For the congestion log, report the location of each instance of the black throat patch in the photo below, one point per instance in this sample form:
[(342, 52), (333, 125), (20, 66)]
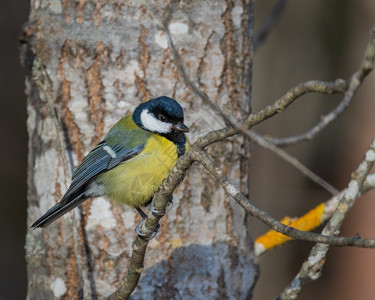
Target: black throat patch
[(179, 139)]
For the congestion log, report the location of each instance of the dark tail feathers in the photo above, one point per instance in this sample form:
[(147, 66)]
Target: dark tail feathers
[(56, 212)]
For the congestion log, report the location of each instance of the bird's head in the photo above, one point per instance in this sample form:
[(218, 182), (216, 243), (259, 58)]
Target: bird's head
[(161, 115)]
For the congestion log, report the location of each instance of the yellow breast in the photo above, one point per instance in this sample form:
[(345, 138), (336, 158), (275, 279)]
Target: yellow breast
[(135, 181)]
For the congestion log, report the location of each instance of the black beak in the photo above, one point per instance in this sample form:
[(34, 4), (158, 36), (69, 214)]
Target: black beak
[(181, 127)]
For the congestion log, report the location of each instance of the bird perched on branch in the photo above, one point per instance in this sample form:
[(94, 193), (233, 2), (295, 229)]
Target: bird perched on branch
[(129, 165)]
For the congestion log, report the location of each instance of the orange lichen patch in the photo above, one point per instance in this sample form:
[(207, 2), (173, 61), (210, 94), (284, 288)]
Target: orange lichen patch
[(307, 222), (272, 238), (310, 220)]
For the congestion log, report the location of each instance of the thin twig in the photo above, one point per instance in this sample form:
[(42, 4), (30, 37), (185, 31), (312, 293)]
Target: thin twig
[(312, 267), (185, 77), (337, 86), (293, 161), (269, 22)]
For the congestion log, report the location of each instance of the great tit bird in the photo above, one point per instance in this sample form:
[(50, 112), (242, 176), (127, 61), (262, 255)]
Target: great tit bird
[(129, 165)]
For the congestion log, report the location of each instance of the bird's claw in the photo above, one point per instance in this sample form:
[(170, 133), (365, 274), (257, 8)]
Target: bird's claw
[(145, 236), (162, 212), (170, 204)]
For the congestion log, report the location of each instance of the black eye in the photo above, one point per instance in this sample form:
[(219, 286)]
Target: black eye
[(162, 118)]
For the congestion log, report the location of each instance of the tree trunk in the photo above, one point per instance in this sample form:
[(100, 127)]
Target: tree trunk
[(89, 63)]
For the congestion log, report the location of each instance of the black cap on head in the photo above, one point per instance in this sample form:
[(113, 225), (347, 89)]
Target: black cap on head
[(167, 106), (162, 108)]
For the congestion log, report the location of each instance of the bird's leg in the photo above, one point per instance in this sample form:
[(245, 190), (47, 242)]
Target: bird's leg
[(161, 212), (138, 228), (157, 212), (140, 211)]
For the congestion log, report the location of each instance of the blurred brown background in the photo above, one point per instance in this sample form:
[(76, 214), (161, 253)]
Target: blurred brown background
[(314, 39)]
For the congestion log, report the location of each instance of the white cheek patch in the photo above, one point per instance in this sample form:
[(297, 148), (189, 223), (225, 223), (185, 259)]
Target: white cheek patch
[(152, 124)]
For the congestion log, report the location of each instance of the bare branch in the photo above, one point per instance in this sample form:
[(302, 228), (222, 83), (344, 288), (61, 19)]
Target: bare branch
[(263, 216), (368, 184), (134, 272), (309, 221), (337, 86), (246, 108), (162, 197), (355, 82), (160, 203), (312, 267)]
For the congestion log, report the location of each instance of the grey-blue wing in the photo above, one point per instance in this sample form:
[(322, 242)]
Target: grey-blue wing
[(102, 158)]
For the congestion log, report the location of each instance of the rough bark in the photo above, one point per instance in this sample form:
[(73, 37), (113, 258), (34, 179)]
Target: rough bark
[(88, 63)]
